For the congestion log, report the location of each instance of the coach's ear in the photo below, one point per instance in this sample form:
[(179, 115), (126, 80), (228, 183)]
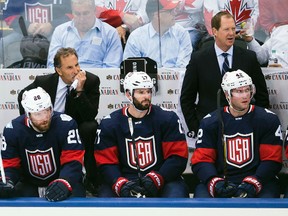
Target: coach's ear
[(58, 71), (214, 32)]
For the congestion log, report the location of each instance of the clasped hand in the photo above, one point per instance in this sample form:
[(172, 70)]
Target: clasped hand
[(249, 188), (147, 186)]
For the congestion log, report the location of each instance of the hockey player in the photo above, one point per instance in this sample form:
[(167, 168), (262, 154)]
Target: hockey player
[(40, 16), (286, 154), (239, 147), (141, 148), (42, 153)]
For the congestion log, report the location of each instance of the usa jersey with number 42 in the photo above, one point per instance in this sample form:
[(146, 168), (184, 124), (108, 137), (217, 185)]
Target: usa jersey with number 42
[(253, 146)]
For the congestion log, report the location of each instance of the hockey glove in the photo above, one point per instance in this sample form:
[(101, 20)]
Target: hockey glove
[(249, 187), (58, 190), (6, 190), (125, 188), (152, 183), (218, 187)]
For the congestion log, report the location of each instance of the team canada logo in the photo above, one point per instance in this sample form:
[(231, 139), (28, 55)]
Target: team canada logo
[(143, 150), (38, 13), (239, 9), (41, 164), (240, 149)]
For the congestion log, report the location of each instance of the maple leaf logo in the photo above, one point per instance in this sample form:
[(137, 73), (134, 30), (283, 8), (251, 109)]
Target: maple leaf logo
[(182, 15), (207, 17), (239, 9)]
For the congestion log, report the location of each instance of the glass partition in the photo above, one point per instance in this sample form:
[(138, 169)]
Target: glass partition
[(166, 31)]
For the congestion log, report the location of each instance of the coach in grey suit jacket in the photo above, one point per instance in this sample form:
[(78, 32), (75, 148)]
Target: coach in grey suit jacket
[(203, 73), (81, 103)]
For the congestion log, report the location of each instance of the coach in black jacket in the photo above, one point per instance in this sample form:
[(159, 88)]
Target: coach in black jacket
[(204, 73), (81, 102)]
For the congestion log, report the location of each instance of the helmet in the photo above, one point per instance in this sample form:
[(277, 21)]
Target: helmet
[(34, 46), (35, 100), (137, 80), (236, 79)]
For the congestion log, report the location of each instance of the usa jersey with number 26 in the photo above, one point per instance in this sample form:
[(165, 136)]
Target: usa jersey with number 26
[(39, 158)]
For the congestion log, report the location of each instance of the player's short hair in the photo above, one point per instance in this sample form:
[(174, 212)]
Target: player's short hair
[(216, 20), (63, 52)]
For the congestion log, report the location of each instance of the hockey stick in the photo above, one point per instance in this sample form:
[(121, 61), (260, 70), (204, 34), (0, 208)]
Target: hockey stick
[(284, 139), (1, 166), (23, 26), (220, 119), (131, 129)]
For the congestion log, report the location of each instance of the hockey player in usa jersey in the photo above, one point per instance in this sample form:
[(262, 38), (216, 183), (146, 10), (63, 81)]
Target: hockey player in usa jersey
[(41, 151), (239, 147), (286, 154), (41, 16), (141, 149)]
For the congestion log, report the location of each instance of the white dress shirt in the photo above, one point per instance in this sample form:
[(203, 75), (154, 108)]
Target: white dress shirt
[(221, 58), (60, 99)]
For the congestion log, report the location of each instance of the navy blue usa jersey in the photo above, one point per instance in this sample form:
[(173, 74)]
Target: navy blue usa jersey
[(253, 146), (39, 158), (37, 11), (159, 140)]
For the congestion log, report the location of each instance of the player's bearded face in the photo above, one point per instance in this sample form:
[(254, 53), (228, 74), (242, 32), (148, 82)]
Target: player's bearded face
[(142, 98), (41, 120)]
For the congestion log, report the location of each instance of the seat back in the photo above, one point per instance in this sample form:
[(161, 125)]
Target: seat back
[(144, 64)]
